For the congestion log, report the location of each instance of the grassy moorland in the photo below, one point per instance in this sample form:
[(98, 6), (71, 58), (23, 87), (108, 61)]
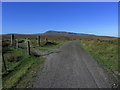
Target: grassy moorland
[(19, 63), (50, 46), (21, 67), (105, 52)]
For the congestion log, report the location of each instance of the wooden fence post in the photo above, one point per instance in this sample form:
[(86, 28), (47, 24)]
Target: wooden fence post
[(4, 63), (28, 47), (12, 39), (17, 44), (39, 41), (46, 39)]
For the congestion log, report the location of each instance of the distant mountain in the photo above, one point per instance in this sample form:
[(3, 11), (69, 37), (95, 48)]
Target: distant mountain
[(63, 33)]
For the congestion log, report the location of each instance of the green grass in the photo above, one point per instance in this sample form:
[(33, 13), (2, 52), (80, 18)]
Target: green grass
[(21, 67), (49, 48), (104, 53), (31, 74), (16, 70)]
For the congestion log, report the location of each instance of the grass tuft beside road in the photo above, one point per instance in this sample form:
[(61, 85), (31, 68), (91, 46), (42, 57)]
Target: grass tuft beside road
[(49, 48), (104, 53), (21, 67), (18, 68)]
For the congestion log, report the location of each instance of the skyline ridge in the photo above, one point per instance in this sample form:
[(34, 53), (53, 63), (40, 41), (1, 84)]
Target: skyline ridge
[(72, 33), (99, 18)]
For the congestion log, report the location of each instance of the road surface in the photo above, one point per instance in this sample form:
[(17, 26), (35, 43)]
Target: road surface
[(71, 67)]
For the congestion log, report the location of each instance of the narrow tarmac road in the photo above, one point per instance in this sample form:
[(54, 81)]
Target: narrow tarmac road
[(71, 67)]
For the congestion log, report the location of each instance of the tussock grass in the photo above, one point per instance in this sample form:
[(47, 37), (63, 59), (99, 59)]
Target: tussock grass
[(104, 53), (21, 67), (16, 70), (49, 48)]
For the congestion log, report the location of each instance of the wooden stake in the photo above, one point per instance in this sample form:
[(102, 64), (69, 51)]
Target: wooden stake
[(4, 63), (17, 44), (46, 39), (39, 41), (28, 47), (12, 39)]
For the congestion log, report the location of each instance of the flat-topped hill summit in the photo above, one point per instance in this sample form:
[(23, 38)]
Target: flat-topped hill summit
[(51, 32)]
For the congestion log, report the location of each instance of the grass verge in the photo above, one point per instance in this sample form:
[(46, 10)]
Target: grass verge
[(21, 67), (49, 48), (105, 54), (16, 70)]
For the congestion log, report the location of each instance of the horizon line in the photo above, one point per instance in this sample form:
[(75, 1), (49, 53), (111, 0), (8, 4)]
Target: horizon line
[(58, 31)]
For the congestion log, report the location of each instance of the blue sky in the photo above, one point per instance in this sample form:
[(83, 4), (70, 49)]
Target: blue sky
[(99, 18)]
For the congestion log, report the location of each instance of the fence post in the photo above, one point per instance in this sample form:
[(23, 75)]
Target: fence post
[(12, 39), (39, 41), (4, 63), (46, 39), (17, 44), (28, 47)]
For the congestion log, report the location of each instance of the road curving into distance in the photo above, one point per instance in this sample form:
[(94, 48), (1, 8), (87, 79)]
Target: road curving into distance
[(71, 67)]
